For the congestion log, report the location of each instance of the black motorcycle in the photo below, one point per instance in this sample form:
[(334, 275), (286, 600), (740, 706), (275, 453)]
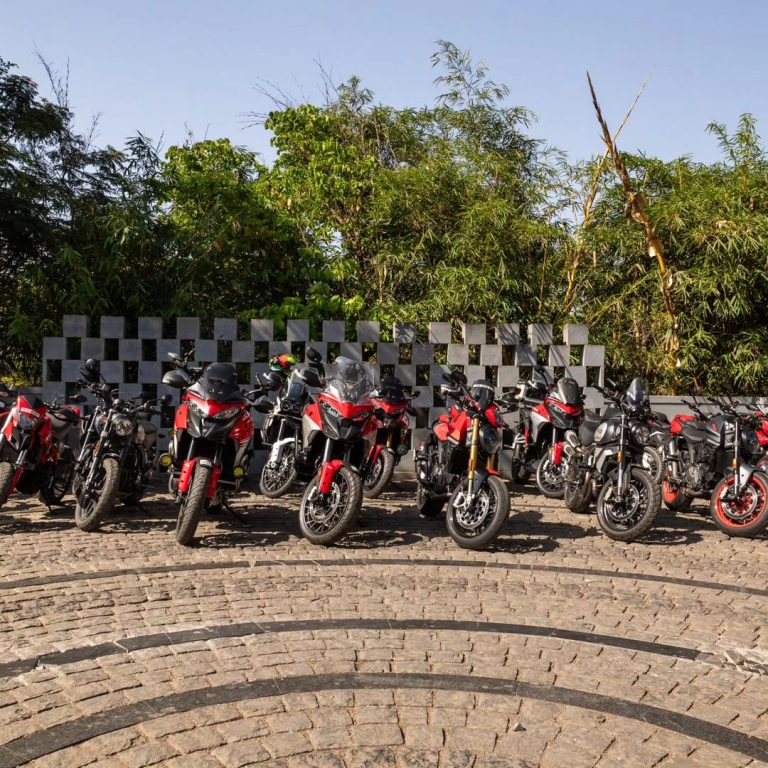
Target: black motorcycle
[(608, 455), (117, 452)]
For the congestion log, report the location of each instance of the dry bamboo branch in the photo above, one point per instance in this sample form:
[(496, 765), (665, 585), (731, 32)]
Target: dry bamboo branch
[(637, 205)]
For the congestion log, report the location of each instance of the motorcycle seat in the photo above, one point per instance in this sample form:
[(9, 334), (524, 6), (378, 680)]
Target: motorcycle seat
[(694, 432)]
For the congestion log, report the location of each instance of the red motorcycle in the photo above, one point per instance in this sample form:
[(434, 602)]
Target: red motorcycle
[(562, 411), (34, 455), (338, 448), (393, 435), (459, 458), (209, 453)]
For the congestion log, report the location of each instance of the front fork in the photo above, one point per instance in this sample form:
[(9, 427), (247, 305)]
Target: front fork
[(474, 449)]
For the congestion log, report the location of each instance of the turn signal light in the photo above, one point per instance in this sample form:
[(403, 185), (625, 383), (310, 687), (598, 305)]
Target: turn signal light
[(165, 460)]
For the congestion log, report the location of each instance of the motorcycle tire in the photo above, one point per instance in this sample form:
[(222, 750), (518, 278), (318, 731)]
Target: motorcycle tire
[(380, 475), (94, 504), (577, 495), (276, 481), (192, 506), (427, 504), (614, 524), (344, 499), (7, 471), (470, 530), (653, 464), (547, 487), (745, 516)]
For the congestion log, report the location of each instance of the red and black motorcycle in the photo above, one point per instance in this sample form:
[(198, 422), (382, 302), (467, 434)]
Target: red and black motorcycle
[(338, 448), (34, 455), (562, 411), (392, 405), (209, 454), (458, 459)]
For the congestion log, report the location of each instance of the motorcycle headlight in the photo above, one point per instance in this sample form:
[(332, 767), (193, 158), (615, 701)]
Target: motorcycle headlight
[(27, 418), (490, 439), (331, 411), (226, 414), (640, 433), (196, 409), (122, 426), (286, 405), (751, 440)]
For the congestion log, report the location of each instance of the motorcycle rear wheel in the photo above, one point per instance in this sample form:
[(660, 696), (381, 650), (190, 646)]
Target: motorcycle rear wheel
[(745, 516), (379, 475), (7, 471), (325, 519), (276, 479), (645, 497), (577, 495), (549, 478), (675, 499), (60, 482), (96, 499), (477, 528), (192, 506)]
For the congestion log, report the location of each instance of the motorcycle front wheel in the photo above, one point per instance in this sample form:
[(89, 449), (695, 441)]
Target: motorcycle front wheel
[(7, 471), (742, 516), (627, 517), (277, 478), (97, 497), (577, 493), (379, 475), (427, 503), (192, 506), (477, 524), (549, 478), (325, 518)]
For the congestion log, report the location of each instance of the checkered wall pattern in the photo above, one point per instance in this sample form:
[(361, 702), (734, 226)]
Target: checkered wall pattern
[(417, 356)]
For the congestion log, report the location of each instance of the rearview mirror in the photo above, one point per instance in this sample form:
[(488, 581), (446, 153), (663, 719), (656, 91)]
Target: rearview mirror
[(310, 378), (166, 399), (90, 370), (175, 357), (79, 399), (314, 356), (176, 379)]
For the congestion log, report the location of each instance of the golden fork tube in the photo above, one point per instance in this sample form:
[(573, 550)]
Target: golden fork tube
[(473, 449), (492, 461)]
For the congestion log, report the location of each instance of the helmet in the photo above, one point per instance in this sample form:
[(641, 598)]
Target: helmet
[(282, 363)]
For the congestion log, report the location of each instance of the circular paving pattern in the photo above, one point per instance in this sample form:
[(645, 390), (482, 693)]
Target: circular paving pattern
[(394, 648)]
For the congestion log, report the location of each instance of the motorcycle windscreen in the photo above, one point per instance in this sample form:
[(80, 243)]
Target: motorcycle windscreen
[(350, 381), (218, 383), (635, 395), (568, 391)]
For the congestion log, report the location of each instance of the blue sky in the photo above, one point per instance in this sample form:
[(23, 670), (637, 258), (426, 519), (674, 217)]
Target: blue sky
[(163, 66)]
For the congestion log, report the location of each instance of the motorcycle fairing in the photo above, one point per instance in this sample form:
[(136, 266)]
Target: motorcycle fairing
[(327, 472)]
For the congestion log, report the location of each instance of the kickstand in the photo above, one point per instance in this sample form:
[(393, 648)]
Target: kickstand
[(233, 512)]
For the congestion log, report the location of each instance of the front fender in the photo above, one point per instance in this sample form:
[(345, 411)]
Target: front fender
[(605, 455), (745, 474), (327, 472)]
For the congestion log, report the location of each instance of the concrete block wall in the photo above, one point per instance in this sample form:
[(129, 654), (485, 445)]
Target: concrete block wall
[(418, 356)]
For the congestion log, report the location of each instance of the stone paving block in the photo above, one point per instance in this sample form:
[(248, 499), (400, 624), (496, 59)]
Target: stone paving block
[(474, 333), (406, 374), (164, 346), (404, 333), (75, 326), (298, 330), (242, 351), (559, 355), (574, 333), (594, 355), (351, 349), (206, 350), (368, 330), (150, 328), (225, 329), (94, 348), (539, 334), (54, 348), (387, 354), (334, 330), (508, 333), (129, 349), (422, 354), (525, 355), (439, 333), (262, 330), (508, 375), (458, 354), (188, 327), (491, 354)]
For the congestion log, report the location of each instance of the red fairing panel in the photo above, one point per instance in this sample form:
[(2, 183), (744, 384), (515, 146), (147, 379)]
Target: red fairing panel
[(327, 473), (347, 410), (459, 427), (180, 419), (243, 430), (312, 412), (678, 421), (213, 483), (186, 474), (571, 410)]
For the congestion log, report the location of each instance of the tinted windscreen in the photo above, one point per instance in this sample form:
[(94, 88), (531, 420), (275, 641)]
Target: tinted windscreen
[(568, 391), (482, 393), (350, 380), (635, 395), (218, 383)]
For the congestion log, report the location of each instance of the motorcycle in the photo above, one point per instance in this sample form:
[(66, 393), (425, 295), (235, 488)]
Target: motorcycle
[(525, 451), (739, 503), (282, 430), (34, 455), (393, 434), (562, 411), (699, 451), (209, 453), (457, 462), (608, 456), (338, 449), (117, 450)]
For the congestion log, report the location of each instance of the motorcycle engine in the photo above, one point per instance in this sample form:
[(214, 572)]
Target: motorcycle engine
[(695, 477)]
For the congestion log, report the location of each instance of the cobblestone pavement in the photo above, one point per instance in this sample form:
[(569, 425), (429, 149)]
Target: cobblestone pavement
[(393, 648)]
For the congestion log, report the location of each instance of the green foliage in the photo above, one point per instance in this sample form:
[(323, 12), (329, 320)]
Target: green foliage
[(450, 211)]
